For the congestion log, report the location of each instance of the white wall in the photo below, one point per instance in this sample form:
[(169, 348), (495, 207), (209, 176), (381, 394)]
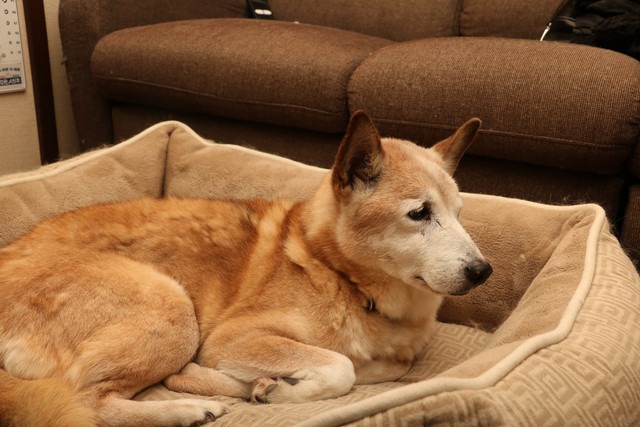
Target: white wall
[(19, 146), (67, 137)]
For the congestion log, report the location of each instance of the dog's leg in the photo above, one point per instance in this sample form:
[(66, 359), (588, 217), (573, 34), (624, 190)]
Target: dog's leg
[(143, 328), (309, 383), (123, 358), (196, 379), (282, 370), (116, 411), (379, 371)]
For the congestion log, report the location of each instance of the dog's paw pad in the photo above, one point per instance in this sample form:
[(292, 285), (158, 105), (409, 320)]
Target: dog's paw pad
[(213, 412), (261, 389), (196, 412)]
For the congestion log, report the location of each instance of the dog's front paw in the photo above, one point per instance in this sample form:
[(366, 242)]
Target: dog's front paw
[(194, 412)]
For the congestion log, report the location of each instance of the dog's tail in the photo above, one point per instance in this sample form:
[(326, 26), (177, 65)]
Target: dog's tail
[(45, 402)]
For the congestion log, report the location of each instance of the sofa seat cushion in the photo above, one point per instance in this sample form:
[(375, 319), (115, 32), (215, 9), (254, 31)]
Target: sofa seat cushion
[(519, 88), (634, 162), (630, 234), (279, 73)]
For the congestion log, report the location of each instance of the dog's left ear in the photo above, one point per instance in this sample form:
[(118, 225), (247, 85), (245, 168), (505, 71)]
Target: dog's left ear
[(452, 148), (360, 154)]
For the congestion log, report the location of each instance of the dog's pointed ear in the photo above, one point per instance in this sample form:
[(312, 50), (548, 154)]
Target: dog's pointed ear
[(360, 154), (452, 148)]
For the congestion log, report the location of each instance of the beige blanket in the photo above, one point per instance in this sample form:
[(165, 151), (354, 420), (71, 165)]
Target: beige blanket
[(552, 339)]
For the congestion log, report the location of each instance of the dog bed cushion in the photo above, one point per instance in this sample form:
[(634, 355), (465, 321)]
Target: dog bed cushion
[(553, 338)]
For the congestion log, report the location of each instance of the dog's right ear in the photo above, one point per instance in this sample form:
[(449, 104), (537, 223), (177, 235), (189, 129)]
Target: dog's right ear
[(452, 148), (360, 154)]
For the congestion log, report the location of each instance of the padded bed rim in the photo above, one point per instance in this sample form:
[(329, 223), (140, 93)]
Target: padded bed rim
[(491, 376), (169, 126)]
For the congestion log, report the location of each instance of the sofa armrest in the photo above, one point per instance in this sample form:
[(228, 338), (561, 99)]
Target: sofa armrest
[(82, 23)]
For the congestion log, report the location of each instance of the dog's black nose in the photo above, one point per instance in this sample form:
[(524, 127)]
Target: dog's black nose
[(477, 272)]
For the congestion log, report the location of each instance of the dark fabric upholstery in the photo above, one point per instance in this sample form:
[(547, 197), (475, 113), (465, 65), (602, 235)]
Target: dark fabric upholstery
[(82, 23), (315, 148), (506, 18), (630, 233), (538, 183), (413, 19), (243, 69), (634, 162), (530, 114)]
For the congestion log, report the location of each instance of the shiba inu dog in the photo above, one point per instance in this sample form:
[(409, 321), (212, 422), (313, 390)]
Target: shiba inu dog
[(271, 301)]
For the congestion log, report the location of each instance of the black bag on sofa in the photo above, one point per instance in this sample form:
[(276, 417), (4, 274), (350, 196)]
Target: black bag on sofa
[(610, 24)]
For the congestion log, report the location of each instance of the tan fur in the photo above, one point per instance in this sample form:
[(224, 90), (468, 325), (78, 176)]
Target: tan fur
[(46, 402), (272, 301)]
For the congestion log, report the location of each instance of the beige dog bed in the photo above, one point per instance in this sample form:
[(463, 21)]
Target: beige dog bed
[(553, 338)]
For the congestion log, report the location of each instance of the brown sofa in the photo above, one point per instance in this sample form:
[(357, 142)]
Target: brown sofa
[(560, 121)]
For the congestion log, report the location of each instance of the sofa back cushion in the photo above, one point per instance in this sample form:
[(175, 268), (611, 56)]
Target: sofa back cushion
[(398, 21), (417, 19), (506, 18)]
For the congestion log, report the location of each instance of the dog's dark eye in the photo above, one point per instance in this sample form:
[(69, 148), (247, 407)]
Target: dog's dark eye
[(421, 214)]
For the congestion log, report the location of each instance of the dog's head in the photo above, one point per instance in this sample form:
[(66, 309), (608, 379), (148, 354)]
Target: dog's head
[(398, 208)]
